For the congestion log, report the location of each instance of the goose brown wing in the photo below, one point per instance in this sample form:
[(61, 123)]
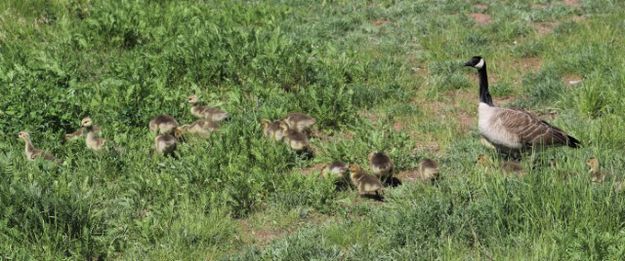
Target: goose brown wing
[(530, 129)]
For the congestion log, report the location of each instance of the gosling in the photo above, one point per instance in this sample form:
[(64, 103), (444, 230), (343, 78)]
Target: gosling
[(202, 128), (336, 169), (596, 174), (299, 121), (74, 135), (428, 170), (273, 129), (165, 144), (366, 184), (93, 140), (211, 113), (295, 139), (381, 165), (163, 124), (511, 166), (31, 152)]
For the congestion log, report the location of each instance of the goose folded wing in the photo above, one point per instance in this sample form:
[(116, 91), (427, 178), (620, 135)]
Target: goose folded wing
[(530, 129)]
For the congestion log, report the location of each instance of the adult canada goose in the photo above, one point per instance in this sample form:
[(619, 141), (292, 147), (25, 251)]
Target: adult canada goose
[(299, 121), (212, 113), (162, 124), (93, 140), (273, 129), (31, 152), (513, 130), (381, 165)]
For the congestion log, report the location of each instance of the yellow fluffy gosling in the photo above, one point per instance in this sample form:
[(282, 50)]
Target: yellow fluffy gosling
[(93, 140), (596, 174)]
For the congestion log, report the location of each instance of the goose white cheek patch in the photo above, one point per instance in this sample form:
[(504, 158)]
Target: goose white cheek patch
[(480, 64)]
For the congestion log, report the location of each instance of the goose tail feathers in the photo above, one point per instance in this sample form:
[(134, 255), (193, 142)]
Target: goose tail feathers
[(573, 142)]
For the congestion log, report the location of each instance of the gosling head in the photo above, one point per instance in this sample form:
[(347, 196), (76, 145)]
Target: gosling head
[(593, 163), (481, 159), (193, 99), (23, 135), (86, 122), (379, 158), (476, 62), (353, 168), (284, 126), (264, 123)]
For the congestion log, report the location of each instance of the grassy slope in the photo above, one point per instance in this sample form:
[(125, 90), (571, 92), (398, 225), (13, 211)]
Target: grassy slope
[(377, 76)]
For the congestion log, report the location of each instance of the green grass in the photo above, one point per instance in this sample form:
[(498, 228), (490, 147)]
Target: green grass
[(383, 75)]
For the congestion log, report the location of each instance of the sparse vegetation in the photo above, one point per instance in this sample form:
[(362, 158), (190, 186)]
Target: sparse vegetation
[(376, 76)]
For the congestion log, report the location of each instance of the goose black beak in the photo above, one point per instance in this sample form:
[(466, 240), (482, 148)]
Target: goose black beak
[(469, 63)]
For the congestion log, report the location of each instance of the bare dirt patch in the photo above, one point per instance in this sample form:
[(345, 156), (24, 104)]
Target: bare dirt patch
[(380, 22), (466, 121), (504, 100), (425, 147), (372, 117), (398, 126), (481, 19), (529, 63), (545, 28), (259, 236), (266, 231), (572, 79), (572, 3)]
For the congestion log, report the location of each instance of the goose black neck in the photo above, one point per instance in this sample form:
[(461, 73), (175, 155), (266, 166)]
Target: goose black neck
[(484, 94)]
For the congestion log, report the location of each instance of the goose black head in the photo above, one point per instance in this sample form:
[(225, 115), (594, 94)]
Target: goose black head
[(476, 62)]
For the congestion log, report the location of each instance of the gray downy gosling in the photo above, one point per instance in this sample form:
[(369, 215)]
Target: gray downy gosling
[(365, 183), (299, 121), (202, 128), (165, 144), (33, 153), (428, 170), (381, 165), (273, 129), (211, 113), (295, 139), (162, 124)]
